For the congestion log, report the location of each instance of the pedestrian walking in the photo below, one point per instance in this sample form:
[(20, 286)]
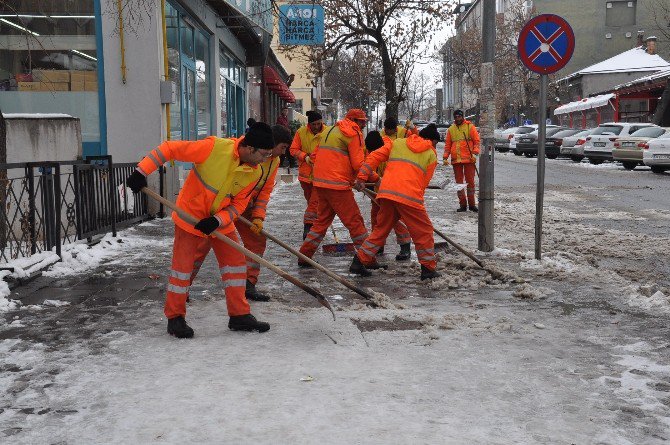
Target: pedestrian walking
[(337, 159), (394, 131), (462, 146), (411, 164), (216, 190), (257, 209), (374, 141), (304, 144)]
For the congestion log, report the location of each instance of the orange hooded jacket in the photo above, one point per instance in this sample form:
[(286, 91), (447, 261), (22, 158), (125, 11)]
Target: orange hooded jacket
[(260, 195), (304, 143), (411, 164), (462, 143), (217, 185), (339, 156)]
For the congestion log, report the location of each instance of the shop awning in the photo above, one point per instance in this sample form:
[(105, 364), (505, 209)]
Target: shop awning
[(275, 83), (588, 103)]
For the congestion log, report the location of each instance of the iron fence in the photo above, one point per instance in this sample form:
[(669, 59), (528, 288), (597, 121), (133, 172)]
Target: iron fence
[(46, 205)]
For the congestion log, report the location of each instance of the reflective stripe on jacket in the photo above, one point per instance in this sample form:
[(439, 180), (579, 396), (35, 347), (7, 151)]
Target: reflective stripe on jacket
[(339, 156), (217, 185), (260, 195), (462, 143), (411, 164), (305, 143)]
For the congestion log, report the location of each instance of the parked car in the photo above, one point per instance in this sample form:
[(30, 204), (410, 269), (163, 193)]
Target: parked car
[(657, 156), (524, 129), (502, 138), (573, 146), (527, 143), (552, 146), (442, 129), (628, 150), (599, 144)]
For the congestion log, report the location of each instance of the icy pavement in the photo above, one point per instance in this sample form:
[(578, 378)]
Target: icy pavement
[(572, 349)]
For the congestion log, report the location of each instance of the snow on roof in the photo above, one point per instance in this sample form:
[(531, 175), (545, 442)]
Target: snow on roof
[(584, 104), (636, 59), (650, 78), (35, 115)]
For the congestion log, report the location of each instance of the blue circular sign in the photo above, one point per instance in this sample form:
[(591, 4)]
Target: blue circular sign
[(546, 44)]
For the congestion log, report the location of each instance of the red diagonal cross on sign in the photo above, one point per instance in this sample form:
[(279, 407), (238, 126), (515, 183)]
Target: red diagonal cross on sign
[(546, 44)]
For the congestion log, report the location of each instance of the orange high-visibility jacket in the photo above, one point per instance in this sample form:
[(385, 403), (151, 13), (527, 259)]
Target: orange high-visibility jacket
[(382, 165), (339, 156), (260, 196), (401, 132), (217, 185), (462, 143), (411, 164), (304, 143)]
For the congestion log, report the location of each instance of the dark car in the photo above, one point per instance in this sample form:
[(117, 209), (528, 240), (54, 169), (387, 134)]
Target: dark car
[(527, 143), (552, 146)]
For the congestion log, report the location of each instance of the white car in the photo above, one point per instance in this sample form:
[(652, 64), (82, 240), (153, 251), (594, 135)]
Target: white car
[(600, 143), (573, 146), (657, 156)]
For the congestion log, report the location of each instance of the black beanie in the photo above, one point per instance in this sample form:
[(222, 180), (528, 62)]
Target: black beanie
[(313, 116), (390, 123), (373, 141), (259, 136), (430, 132), (458, 113)]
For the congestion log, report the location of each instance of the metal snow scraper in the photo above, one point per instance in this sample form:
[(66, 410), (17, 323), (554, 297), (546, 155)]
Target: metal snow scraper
[(249, 254)]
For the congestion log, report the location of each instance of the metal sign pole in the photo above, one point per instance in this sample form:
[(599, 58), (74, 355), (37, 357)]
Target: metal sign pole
[(541, 139)]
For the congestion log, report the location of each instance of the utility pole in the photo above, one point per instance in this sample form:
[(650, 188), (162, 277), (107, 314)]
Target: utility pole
[(487, 122)]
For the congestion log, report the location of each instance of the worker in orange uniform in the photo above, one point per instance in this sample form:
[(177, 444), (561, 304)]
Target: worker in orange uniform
[(462, 145), (373, 141), (256, 210), (216, 190), (393, 131), (304, 143), (411, 163), (336, 162)]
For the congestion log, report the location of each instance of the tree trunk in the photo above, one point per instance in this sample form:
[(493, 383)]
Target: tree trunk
[(389, 82)]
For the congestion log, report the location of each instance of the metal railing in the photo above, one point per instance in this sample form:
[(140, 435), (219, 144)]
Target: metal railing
[(46, 205)]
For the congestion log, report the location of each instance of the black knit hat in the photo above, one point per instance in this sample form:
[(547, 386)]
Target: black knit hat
[(373, 141), (390, 123), (458, 113), (313, 116), (259, 136), (430, 132)]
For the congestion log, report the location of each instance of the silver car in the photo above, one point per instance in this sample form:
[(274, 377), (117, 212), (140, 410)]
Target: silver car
[(573, 146), (502, 138)]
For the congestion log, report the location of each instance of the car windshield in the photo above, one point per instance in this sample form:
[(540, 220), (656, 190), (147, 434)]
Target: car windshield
[(583, 133), (510, 130), (553, 131), (649, 132), (565, 133), (613, 129), (525, 130)]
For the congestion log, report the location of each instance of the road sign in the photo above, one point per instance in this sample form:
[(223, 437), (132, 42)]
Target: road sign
[(301, 24), (546, 44)]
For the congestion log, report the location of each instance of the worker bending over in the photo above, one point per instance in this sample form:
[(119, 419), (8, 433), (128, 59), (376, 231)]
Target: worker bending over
[(393, 131)]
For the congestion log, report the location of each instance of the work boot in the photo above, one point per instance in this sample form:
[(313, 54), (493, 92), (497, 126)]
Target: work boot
[(304, 264), (177, 326), (376, 265), (380, 252), (405, 252), (307, 227), (359, 268), (252, 294), (428, 274), (462, 208), (247, 323), (474, 209)]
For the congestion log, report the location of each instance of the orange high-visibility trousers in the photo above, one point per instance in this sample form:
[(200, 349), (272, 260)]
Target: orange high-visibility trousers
[(466, 171), (417, 222), (253, 242), (312, 199), (188, 254), (401, 233), (331, 203)]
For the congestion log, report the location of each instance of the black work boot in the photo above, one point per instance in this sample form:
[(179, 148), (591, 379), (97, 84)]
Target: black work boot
[(305, 230), (177, 326), (474, 209), (252, 294), (376, 265), (358, 268), (462, 208), (428, 274), (405, 252), (380, 252), (247, 323)]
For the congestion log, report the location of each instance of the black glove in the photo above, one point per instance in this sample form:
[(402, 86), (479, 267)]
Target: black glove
[(207, 225), (136, 181)]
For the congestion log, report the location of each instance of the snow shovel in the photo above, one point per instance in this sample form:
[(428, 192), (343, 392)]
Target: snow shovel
[(362, 292), (337, 249), (249, 254)]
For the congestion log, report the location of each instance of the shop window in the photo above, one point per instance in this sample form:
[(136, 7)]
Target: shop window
[(48, 62), (233, 83), (620, 13)]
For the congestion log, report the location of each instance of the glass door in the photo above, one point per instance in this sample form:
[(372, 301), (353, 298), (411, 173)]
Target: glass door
[(189, 125)]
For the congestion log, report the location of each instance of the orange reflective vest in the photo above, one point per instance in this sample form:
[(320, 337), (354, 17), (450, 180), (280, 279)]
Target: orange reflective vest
[(304, 143), (462, 143), (411, 164), (401, 132), (260, 195), (339, 156), (217, 185)]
